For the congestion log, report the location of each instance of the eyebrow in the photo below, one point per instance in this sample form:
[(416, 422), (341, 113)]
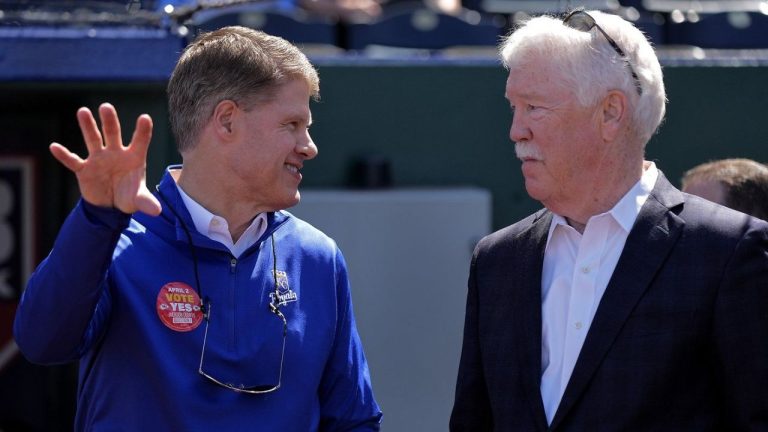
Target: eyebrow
[(299, 116), (529, 97)]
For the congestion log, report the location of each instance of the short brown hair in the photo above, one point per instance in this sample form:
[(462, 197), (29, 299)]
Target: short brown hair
[(235, 63), (744, 180)]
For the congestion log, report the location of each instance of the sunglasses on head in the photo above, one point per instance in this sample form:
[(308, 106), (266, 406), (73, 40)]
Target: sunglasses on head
[(582, 21)]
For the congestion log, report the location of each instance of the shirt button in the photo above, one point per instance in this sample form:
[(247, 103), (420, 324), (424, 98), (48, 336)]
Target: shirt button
[(585, 270), (215, 222), (578, 325)]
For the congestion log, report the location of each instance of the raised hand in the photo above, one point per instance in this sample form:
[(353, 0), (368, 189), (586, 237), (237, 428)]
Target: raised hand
[(112, 175)]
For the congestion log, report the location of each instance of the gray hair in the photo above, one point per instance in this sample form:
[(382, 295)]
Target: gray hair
[(232, 63), (591, 67)]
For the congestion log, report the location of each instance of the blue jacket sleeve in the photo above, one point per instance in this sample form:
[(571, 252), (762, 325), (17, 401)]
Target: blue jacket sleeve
[(346, 397), (55, 322)]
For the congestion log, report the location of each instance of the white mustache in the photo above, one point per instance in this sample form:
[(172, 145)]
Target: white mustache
[(525, 150)]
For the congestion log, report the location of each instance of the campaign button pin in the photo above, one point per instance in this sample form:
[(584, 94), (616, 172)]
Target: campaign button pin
[(178, 307)]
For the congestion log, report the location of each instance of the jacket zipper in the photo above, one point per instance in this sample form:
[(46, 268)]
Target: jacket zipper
[(232, 305)]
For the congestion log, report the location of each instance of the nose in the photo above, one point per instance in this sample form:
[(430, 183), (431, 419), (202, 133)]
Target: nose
[(519, 131), (307, 147)]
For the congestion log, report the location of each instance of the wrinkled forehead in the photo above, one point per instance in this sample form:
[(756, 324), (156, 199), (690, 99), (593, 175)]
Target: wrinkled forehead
[(535, 76)]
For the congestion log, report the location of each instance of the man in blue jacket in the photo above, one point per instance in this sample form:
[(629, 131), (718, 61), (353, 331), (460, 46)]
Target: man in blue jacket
[(203, 305)]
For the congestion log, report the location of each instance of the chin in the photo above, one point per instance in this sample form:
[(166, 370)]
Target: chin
[(290, 202), (535, 192)]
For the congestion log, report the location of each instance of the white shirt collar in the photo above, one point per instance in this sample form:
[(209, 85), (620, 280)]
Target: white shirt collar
[(216, 227)]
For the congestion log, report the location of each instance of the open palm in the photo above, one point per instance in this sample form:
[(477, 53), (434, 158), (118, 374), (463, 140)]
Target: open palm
[(113, 175)]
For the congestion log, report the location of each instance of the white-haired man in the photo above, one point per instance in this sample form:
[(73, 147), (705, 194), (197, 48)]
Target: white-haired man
[(623, 305)]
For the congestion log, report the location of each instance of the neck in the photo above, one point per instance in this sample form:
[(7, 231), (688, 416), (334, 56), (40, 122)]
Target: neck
[(578, 226), (211, 191), (601, 194)]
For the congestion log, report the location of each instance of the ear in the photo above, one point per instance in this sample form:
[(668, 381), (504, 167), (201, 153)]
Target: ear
[(614, 115), (223, 119)]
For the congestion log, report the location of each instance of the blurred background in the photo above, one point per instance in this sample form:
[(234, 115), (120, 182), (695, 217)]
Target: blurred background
[(415, 164)]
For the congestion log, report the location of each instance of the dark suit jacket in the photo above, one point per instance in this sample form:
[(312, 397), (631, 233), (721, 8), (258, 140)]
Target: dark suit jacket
[(679, 341)]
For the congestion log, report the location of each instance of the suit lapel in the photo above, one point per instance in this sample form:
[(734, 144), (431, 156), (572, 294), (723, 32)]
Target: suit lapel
[(527, 306), (651, 239)]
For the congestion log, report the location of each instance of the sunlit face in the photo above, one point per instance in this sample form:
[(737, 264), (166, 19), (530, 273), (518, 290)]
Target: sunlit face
[(708, 189), (273, 143), (556, 139)]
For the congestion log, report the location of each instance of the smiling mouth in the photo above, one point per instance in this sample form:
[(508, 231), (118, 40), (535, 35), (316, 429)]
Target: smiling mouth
[(292, 168)]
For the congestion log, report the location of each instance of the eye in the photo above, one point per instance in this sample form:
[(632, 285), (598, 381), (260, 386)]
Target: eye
[(530, 107)]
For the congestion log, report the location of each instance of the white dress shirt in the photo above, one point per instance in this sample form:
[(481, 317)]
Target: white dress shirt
[(577, 268), (216, 228)]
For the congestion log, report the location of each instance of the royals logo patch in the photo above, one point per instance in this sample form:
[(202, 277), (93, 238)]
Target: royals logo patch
[(284, 293)]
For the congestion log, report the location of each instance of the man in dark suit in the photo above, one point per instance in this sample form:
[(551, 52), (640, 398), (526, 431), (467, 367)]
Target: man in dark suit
[(625, 304)]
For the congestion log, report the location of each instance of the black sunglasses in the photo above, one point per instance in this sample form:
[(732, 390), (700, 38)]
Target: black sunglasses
[(274, 307), (582, 21)]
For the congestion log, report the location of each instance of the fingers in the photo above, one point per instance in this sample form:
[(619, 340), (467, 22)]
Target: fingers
[(89, 129), (70, 160), (110, 124), (142, 134)]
